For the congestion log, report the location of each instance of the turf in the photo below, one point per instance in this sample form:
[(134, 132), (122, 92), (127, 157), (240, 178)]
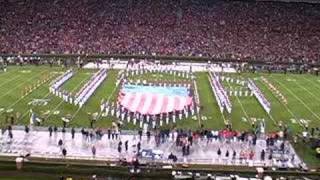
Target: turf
[(301, 92)]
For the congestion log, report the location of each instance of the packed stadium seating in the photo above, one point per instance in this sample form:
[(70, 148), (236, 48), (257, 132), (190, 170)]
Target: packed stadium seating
[(278, 32)]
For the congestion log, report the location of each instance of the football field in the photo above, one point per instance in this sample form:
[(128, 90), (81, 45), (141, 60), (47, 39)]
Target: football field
[(295, 99)]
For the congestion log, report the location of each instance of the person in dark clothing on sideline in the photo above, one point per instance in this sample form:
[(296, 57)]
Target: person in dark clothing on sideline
[(93, 150), (60, 143), (10, 135), (219, 152), (183, 150), (188, 150), (148, 136), (55, 129), (72, 133), (116, 135), (234, 154), (262, 155), (190, 139), (109, 133), (140, 134), (126, 145), (138, 147), (50, 131), (282, 147), (64, 152), (26, 129), (119, 149), (112, 135)]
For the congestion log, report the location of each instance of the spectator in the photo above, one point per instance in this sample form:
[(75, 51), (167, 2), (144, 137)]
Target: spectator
[(275, 32)]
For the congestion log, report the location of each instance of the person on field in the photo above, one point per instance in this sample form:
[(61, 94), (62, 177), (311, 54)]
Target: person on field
[(93, 150), (50, 131), (26, 129), (64, 152), (126, 145), (72, 133)]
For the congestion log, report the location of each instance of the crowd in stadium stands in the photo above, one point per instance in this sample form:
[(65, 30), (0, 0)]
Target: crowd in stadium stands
[(220, 29)]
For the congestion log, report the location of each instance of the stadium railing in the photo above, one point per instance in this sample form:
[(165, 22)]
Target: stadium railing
[(155, 57)]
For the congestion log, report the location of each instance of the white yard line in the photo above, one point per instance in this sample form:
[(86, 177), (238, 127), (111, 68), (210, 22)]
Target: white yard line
[(74, 115), (242, 108), (287, 108), (45, 96), (308, 91), (316, 83), (299, 99), (10, 80), (113, 91), (29, 94), (26, 112), (17, 101), (8, 92), (271, 117)]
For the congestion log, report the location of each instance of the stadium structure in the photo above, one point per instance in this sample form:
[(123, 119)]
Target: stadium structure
[(163, 89)]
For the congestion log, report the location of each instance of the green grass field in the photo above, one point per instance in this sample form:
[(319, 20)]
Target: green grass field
[(301, 91)]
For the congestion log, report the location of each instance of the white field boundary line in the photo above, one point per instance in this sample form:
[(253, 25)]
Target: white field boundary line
[(287, 108), (9, 72), (10, 80), (224, 118), (61, 102), (316, 83), (17, 101), (113, 91), (26, 112), (308, 91), (29, 79), (42, 84), (271, 117), (74, 115), (242, 108), (299, 99)]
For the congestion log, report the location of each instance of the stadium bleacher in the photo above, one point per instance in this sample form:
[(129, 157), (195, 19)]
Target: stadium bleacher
[(274, 32)]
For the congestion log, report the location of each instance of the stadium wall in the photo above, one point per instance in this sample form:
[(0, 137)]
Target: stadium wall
[(154, 57), (82, 168)]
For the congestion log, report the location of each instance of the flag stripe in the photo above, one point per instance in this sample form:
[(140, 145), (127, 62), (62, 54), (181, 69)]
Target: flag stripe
[(158, 105), (152, 104), (135, 102), (155, 101), (144, 109)]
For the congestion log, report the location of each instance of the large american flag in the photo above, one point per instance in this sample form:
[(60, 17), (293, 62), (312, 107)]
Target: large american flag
[(153, 103)]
